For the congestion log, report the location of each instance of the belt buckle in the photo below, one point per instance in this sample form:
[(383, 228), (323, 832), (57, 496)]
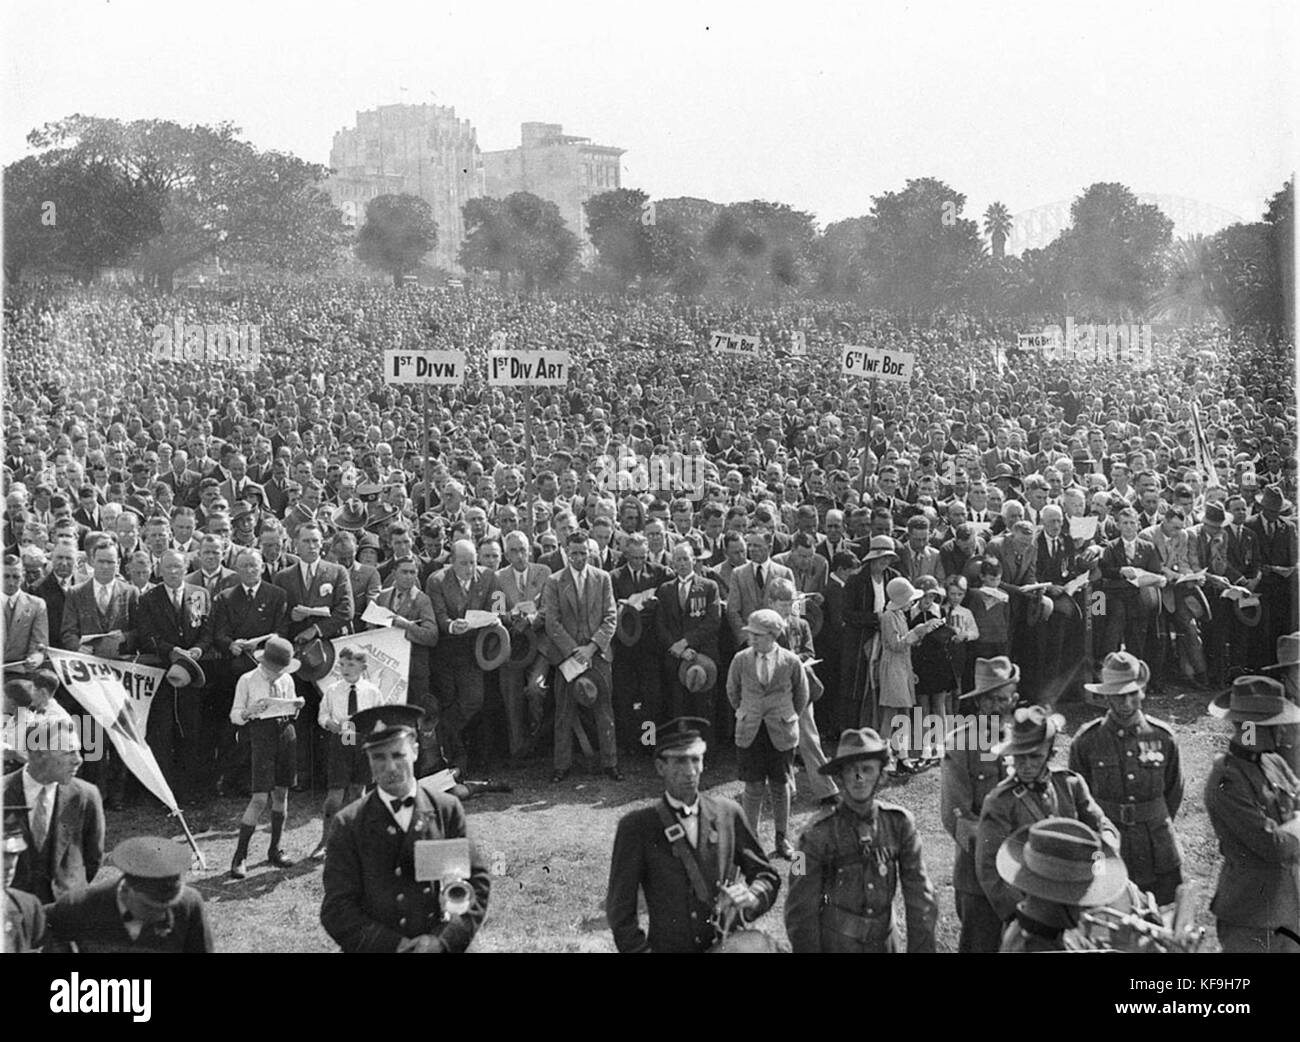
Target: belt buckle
[(1127, 814), (674, 832)]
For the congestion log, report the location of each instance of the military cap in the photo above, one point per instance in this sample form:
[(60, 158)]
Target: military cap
[(152, 866), (381, 724), (680, 734)]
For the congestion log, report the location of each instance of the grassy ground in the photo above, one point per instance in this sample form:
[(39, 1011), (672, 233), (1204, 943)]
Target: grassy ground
[(549, 847)]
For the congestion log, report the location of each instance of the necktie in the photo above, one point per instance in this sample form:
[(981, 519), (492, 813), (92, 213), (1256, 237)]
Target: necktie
[(1051, 548), (762, 670), (9, 613), (398, 803), (352, 701), (179, 600), (41, 818), (758, 575), (102, 598), (683, 592)]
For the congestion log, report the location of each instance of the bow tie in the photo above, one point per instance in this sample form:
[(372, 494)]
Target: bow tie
[(686, 812), (399, 803), (1039, 786)]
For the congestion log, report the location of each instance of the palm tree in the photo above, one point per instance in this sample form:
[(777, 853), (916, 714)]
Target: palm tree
[(997, 226), (1190, 293)]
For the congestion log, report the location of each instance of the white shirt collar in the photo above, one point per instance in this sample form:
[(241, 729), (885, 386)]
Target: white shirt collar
[(32, 790), (676, 804), (578, 576)]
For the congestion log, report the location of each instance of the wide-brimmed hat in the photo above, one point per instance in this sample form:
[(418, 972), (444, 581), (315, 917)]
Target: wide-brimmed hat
[(524, 646), (1003, 472), (241, 508), (699, 674), (277, 654), (1062, 860), (1032, 728), (185, 671), (1271, 498), (497, 639), (880, 546), (1249, 610), (901, 593), (317, 658), (587, 688), (1121, 674), (992, 674), (861, 744), (1288, 653), (1258, 700), (1039, 609), (351, 517), (629, 627)]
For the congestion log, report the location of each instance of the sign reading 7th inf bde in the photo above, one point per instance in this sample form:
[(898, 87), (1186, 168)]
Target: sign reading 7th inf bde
[(528, 368), (438, 368), (735, 344), (877, 364)]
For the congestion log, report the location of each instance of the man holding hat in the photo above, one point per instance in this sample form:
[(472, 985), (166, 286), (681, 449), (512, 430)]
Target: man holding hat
[(688, 621), (1033, 792), (692, 855), (970, 773), (380, 891), (1061, 866), (1278, 555), (638, 679), (1251, 797), (150, 909), (855, 856), (265, 701), (1227, 561), (1130, 762)]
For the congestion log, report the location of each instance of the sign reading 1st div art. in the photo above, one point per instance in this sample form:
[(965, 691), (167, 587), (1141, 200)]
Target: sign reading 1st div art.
[(440, 368), (528, 368), (877, 364)]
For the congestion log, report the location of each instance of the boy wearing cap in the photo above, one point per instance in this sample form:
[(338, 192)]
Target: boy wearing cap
[(855, 857), (768, 689), (1061, 866), (266, 703), (1251, 798), (688, 855), (374, 900), (1034, 792), (1130, 762), (149, 909), (970, 773)]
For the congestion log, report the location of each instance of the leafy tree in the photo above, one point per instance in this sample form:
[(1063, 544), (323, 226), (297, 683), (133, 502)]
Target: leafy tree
[(619, 228), (520, 234), (923, 248), (1245, 268), (758, 247), (1280, 217), (213, 194), (677, 243), (997, 226), (841, 256), (398, 232), (1192, 291)]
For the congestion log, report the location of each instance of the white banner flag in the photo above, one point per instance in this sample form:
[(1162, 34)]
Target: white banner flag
[(389, 655), (97, 685)]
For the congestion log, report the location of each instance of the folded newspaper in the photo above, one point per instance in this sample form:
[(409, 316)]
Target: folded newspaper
[(571, 668), (378, 615)]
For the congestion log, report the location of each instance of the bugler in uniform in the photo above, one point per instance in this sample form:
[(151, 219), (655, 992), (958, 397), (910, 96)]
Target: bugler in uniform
[(1130, 762), (1033, 793), (852, 860)]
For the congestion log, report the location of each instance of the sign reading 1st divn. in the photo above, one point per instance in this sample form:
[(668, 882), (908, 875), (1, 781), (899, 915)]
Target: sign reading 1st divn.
[(877, 364), (435, 368)]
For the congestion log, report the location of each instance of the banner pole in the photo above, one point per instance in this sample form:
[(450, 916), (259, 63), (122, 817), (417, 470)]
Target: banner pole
[(428, 456), (189, 838)]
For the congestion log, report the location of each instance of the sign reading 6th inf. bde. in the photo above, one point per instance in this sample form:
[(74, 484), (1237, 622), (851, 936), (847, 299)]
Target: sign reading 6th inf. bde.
[(877, 364), (439, 368), (528, 368)]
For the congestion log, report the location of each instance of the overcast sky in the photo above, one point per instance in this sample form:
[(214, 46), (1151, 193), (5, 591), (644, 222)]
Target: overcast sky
[(819, 105)]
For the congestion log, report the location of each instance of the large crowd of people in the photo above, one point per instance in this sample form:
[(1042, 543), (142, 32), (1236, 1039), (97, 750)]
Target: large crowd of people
[(695, 548)]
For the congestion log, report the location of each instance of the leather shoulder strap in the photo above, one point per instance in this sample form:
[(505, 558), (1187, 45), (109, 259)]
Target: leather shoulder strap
[(676, 836)]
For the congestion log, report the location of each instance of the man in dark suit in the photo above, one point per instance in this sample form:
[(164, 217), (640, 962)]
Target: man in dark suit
[(238, 486), (1277, 555), (375, 900), (684, 878), (689, 618), (638, 691), (104, 608), (460, 587), (250, 609), (149, 910), (1128, 608), (87, 512), (176, 617), (26, 618), (64, 827), (211, 574), (520, 585), (748, 583), (1055, 563), (580, 613), (54, 588)]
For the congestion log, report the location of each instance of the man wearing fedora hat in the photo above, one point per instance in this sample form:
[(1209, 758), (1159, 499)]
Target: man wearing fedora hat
[(970, 773), (1131, 763), (265, 702), (149, 909), (1033, 792), (855, 857), (1251, 797), (1061, 866), (1287, 667), (379, 896)]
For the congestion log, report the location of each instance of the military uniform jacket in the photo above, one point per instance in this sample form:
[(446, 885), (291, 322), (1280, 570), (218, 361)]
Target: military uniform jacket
[(1013, 805), (91, 919), (968, 776), (1259, 884), (372, 899), (1135, 776), (842, 895), (643, 859)]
